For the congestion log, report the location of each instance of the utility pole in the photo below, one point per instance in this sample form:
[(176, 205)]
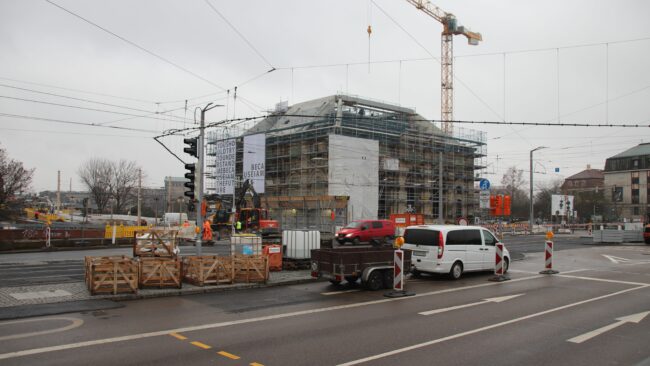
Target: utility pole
[(532, 215), (441, 219), (58, 191), (199, 174), (139, 189)]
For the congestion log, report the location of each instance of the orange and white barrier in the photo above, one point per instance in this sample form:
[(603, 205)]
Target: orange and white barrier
[(398, 271), (499, 269), (548, 259)]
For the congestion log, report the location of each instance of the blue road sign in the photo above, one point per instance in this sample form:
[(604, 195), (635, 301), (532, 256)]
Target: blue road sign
[(484, 184), (557, 170)]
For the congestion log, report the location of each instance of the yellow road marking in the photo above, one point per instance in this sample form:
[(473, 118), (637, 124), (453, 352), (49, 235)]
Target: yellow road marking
[(229, 355), (201, 345), (178, 336)]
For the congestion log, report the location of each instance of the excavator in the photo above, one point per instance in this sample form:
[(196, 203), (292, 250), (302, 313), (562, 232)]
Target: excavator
[(253, 219)]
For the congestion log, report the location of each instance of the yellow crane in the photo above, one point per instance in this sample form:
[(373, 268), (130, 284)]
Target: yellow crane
[(450, 28)]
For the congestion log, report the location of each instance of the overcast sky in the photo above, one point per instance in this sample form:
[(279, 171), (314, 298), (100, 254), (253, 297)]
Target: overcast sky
[(172, 51)]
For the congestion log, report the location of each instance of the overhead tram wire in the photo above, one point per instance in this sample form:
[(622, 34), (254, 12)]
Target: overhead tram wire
[(187, 71), (86, 108), (73, 122)]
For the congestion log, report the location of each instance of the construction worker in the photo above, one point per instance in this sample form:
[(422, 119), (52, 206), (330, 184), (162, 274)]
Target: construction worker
[(238, 226), (207, 231)]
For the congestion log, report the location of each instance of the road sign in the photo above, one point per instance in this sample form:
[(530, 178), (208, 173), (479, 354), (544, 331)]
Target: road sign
[(484, 184), (484, 199)]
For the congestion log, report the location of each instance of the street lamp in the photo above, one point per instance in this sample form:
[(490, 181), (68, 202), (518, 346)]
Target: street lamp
[(532, 217)]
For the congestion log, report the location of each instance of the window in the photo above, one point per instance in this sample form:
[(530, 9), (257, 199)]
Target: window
[(635, 177), (464, 237), (635, 196), (636, 210), (377, 225), (489, 238), (422, 237)]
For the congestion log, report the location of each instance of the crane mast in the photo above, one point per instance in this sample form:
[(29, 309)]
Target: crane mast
[(450, 28)]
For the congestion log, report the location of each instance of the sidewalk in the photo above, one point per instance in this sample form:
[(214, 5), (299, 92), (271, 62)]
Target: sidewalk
[(17, 302)]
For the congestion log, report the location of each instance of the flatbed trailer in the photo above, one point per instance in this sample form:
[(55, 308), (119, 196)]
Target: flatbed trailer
[(373, 266)]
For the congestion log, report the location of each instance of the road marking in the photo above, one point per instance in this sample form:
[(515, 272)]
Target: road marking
[(604, 280), (201, 345), (635, 318), (178, 336), (478, 330), (576, 270), (39, 294), (338, 292), (75, 323), (228, 355), (256, 364), (485, 301), (131, 337), (620, 260), (520, 271)]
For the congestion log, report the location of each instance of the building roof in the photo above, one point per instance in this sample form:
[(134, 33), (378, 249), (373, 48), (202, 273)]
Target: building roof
[(639, 150), (302, 116), (588, 174)]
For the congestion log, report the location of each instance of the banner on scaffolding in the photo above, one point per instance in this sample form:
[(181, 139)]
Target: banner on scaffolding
[(224, 174), (255, 160)]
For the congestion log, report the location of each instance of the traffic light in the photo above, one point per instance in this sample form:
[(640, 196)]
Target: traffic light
[(506, 205), (498, 210), (192, 149), (191, 168)]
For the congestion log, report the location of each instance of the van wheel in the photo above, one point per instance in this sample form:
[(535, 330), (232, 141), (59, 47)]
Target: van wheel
[(456, 270), (356, 241), (506, 265), (375, 281)]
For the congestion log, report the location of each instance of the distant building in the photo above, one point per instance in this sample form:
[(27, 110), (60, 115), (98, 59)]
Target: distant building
[(587, 180), (174, 198), (627, 175)]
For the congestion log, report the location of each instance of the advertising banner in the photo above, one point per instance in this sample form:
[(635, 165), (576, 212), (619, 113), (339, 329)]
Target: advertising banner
[(254, 160), (224, 173)]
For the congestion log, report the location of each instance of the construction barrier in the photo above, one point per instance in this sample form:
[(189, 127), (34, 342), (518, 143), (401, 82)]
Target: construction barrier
[(398, 271), (274, 253), (499, 264), (548, 259), (122, 231)]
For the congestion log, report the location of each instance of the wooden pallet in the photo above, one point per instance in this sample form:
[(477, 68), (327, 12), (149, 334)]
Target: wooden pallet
[(155, 243), (111, 275), (250, 268), (159, 272), (207, 270)]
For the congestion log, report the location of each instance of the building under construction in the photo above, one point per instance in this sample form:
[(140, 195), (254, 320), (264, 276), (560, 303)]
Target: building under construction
[(387, 159)]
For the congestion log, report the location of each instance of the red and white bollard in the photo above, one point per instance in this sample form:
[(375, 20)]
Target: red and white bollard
[(548, 259), (398, 276), (499, 270)]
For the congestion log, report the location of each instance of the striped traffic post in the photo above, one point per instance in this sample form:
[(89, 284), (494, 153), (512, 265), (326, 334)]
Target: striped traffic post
[(548, 259), (499, 275), (398, 276)]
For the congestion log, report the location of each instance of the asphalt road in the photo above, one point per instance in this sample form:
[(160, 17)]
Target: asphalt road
[(579, 317)]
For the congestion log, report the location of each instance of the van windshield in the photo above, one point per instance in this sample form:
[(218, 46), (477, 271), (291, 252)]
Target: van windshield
[(421, 237), (354, 225)]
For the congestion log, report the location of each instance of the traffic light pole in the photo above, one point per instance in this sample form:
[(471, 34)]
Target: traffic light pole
[(199, 174)]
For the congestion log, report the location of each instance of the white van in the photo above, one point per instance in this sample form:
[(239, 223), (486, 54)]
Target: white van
[(452, 249)]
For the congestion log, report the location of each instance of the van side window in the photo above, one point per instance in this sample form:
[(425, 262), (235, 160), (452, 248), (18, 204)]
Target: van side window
[(421, 237), (473, 237), (376, 225), (455, 237), (489, 238)]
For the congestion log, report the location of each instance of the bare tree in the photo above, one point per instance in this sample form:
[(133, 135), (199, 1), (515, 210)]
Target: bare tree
[(14, 178), (96, 174), (124, 183), (513, 181)]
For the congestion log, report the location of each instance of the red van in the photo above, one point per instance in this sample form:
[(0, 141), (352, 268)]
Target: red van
[(367, 231)]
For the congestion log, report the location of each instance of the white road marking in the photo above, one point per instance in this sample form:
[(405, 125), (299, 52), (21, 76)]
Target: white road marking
[(576, 270), (97, 342), (338, 292), (39, 294), (75, 323), (520, 271), (478, 330), (635, 318), (615, 259), (604, 280), (485, 301)]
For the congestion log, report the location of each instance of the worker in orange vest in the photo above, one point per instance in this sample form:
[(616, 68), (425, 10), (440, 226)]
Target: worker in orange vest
[(207, 231)]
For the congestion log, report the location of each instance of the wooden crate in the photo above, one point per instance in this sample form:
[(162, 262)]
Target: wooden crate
[(156, 243), (111, 275), (207, 270), (250, 268), (160, 272)]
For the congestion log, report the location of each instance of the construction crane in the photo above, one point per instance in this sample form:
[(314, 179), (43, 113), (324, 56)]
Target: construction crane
[(450, 28)]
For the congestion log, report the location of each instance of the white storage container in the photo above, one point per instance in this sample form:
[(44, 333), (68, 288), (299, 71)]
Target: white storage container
[(252, 243), (298, 244)]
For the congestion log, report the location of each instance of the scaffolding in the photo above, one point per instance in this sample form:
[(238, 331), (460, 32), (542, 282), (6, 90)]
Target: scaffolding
[(412, 154)]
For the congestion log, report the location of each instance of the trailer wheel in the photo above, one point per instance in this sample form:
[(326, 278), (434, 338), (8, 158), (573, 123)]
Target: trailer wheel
[(356, 241), (335, 282), (388, 279), (375, 281)]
